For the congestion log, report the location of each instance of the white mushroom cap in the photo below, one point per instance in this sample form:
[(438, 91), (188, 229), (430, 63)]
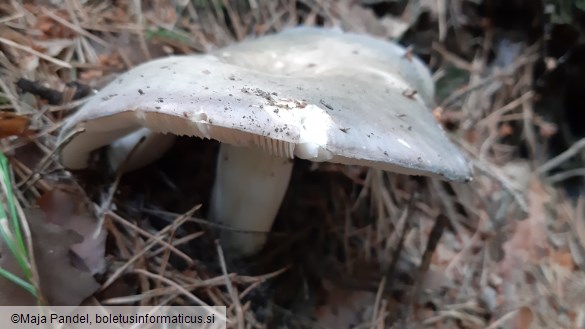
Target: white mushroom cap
[(317, 94), (298, 51)]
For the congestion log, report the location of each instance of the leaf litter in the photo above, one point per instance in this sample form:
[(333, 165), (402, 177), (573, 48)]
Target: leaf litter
[(67, 286), (510, 254)]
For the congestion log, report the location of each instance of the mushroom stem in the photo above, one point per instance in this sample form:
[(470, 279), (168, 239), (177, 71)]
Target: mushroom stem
[(248, 190), (153, 147)]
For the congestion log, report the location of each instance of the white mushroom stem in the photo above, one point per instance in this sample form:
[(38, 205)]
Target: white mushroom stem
[(153, 147), (249, 187)]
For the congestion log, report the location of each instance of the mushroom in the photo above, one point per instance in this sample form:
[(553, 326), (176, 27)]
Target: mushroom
[(317, 94)]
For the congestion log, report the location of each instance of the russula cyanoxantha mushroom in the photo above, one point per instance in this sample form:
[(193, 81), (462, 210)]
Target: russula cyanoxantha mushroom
[(317, 94)]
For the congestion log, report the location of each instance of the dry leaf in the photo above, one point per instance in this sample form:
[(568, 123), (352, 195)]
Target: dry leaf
[(344, 308), (12, 124), (363, 20), (67, 209), (61, 283), (54, 47), (528, 245), (51, 29), (524, 318)]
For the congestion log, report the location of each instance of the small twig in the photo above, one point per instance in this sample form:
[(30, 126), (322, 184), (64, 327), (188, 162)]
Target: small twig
[(564, 175), (256, 281), (378, 301), (390, 273), (559, 159), (447, 202), (167, 251), (207, 223), (528, 118), (140, 23), (497, 174), (156, 239), (230, 288), (77, 29), (442, 16), (499, 323), (11, 18), (178, 242), (36, 53), (106, 204), (10, 95), (455, 60), (425, 263), (217, 281), (184, 291), (41, 165), (235, 19)]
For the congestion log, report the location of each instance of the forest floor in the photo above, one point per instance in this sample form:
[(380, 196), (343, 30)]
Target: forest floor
[(503, 251)]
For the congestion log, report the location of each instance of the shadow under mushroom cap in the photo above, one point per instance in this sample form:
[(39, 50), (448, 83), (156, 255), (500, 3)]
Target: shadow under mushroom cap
[(313, 93)]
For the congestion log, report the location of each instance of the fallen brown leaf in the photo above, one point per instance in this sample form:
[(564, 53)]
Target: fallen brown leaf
[(344, 308), (524, 318), (67, 209), (528, 245), (61, 283), (12, 124)]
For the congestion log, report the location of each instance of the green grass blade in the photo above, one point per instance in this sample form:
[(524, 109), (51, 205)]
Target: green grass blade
[(5, 176), (10, 230), (20, 258), (20, 282)]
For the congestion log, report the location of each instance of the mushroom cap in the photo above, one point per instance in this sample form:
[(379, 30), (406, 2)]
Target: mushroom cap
[(318, 94), (310, 50)]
